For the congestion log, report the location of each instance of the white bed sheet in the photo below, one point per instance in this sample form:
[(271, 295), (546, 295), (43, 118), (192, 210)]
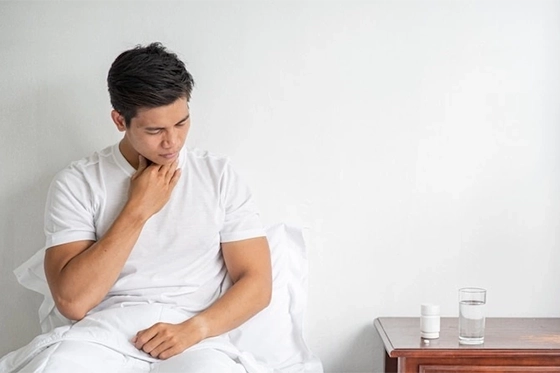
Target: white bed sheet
[(114, 328), (275, 336)]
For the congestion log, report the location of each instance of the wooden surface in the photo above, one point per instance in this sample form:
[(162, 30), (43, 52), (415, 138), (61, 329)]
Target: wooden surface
[(501, 333), (510, 343)]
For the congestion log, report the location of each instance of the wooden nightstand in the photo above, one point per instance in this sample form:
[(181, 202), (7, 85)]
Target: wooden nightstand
[(511, 345)]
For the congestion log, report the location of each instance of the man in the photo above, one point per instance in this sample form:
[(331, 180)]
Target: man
[(148, 224)]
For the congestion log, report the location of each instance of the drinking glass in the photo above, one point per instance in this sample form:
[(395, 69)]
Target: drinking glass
[(472, 302)]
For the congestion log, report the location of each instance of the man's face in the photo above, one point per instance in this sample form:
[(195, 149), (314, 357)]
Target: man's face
[(158, 134)]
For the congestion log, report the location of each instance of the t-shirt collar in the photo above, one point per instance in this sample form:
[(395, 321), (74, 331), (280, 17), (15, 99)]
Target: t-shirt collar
[(128, 169)]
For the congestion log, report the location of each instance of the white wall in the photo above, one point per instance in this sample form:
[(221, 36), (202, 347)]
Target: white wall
[(417, 141)]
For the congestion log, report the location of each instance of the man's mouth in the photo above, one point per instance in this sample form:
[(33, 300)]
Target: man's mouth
[(169, 155)]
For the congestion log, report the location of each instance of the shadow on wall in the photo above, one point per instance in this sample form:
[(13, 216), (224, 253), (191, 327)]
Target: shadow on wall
[(366, 346), (47, 145), (22, 237)]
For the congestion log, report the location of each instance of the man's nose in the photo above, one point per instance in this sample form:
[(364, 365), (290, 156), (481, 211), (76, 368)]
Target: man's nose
[(169, 140)]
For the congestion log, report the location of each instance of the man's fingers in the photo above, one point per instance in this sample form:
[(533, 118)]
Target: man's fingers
[(162, 347), (170, 352), (152, 345), (175, 177), (170, 169), (143, 337)]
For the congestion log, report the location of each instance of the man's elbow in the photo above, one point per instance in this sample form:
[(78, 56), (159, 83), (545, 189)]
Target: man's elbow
[(265, 295), (71, 309)]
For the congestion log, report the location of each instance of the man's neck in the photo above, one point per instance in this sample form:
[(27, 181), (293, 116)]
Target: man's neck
[(129, 153)]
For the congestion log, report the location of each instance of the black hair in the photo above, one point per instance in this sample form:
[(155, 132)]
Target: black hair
[(147, 77)]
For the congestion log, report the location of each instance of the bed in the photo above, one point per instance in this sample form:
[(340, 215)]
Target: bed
[(274, 338)]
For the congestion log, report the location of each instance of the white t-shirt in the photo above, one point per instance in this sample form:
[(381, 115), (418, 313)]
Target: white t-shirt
[(177, 259)]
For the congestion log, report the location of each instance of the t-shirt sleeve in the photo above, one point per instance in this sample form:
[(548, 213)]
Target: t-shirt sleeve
[(242, 219), (68, 210)]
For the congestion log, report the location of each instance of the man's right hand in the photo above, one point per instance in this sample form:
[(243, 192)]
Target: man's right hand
[(151, 187)]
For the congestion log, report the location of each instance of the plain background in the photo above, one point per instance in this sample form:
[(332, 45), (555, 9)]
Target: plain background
[(416, 141)]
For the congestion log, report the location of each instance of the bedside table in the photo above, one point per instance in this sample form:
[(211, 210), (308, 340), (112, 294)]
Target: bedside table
[(511, 345)]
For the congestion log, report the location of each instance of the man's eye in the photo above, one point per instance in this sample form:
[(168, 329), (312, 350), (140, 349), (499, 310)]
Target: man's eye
[(153, 132)]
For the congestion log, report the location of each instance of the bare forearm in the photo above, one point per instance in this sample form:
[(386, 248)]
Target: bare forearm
[(248, 296), (85, 280)]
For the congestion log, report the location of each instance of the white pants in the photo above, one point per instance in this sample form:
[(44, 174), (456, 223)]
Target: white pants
[(88, 357)]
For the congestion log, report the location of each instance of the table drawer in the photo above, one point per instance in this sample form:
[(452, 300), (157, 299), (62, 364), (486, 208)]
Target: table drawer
[(486, 369)]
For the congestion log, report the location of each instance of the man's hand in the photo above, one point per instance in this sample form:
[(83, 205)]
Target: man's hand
[(164, 340), (151, 186)]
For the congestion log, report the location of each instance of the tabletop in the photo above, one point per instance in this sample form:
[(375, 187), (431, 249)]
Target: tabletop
[(401, 335)]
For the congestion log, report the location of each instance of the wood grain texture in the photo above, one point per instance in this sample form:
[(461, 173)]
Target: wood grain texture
[(510, 345)]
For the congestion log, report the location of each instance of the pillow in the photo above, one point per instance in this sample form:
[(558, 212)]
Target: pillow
[(31, 275), (274, 336)]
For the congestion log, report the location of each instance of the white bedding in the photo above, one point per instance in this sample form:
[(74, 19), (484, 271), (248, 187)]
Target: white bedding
[(114, 329), (274, 336)]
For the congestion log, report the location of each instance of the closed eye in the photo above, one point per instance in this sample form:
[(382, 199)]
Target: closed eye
[(157, 130)]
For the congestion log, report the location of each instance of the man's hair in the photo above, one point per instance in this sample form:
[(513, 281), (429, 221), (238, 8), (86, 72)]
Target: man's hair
[(147, 77)]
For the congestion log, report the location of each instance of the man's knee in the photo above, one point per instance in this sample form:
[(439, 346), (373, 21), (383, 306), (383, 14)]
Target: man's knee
[(76, 356)]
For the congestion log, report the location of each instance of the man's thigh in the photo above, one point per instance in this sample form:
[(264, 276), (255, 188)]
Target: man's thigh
[(82, 357), (199, 361)]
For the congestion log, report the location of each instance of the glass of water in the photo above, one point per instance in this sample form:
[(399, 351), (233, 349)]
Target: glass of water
[(472, 302)]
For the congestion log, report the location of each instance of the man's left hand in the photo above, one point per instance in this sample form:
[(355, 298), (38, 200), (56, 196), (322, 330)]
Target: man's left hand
[(163, 340)]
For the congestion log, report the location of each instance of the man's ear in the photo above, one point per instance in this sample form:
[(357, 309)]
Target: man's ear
[(119, 120)]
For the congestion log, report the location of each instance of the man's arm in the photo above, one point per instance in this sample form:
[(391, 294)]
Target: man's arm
[(81, 273), (248, 264)]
